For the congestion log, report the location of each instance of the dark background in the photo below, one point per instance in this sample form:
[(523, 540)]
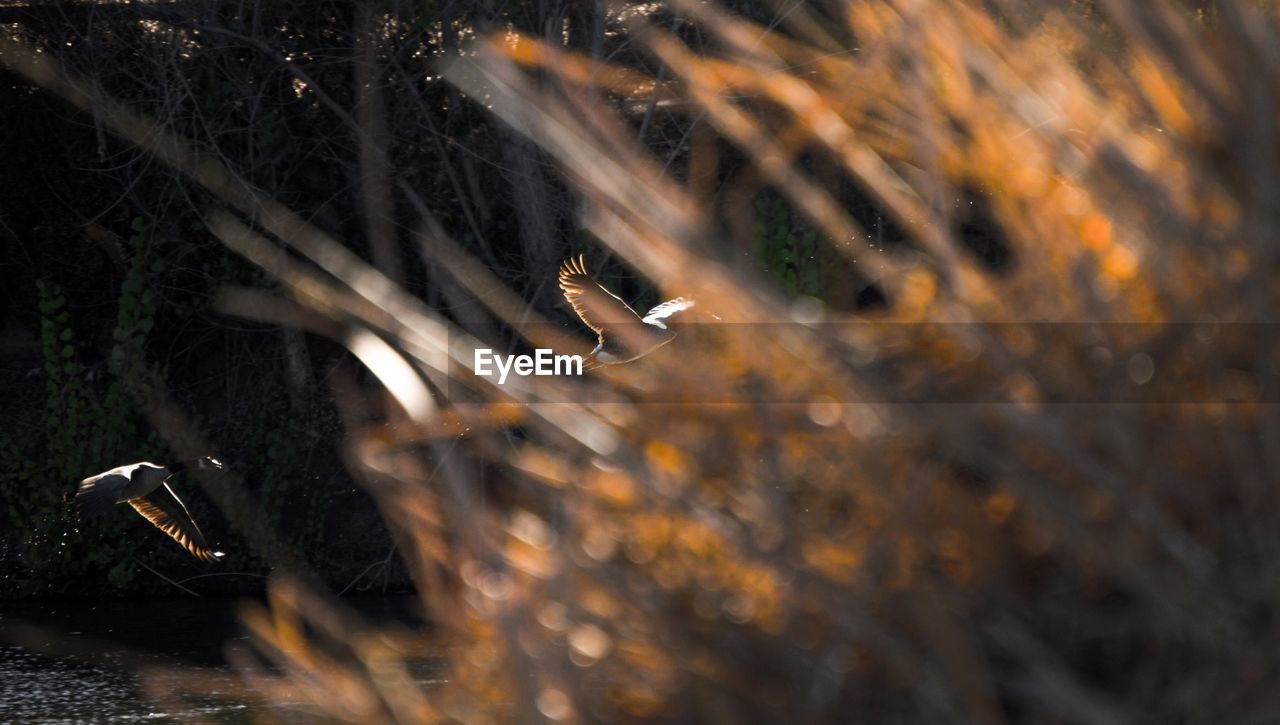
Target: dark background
[(105, 260)]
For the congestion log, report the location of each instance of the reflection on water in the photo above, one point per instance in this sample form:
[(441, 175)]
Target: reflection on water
[(36, 689), (80, 661)]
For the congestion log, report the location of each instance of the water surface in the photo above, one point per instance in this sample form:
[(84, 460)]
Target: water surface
[(122, 661)]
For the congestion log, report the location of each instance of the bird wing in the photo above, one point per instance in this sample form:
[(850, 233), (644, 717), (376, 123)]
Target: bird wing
[(599, 308), (97, 494), (163, 508), (667, 311)]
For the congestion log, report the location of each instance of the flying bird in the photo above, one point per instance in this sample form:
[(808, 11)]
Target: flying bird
[(623, 335), (145, 487)]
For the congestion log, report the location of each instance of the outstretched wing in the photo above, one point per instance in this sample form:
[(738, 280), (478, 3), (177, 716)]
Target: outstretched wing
[(97, 494), (599, 308), (163, 508), (667, 311)]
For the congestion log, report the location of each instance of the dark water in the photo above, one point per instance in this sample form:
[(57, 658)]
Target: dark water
[(111, 662)]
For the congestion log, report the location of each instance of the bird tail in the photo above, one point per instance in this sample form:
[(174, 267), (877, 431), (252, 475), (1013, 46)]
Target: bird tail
[(95, 498)]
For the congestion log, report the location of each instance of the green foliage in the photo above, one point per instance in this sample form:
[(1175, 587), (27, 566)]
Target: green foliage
[(88, 420), (790, 253), (284, 497)]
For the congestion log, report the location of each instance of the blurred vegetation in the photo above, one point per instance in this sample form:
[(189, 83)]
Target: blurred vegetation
[(1050, 227)]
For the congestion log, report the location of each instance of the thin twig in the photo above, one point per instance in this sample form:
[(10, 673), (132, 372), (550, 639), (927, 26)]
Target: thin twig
[(162, 576), (385, 562), (222, 573)]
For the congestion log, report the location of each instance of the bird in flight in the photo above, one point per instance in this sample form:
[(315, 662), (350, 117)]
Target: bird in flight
[(145, 487), (623, 335)]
